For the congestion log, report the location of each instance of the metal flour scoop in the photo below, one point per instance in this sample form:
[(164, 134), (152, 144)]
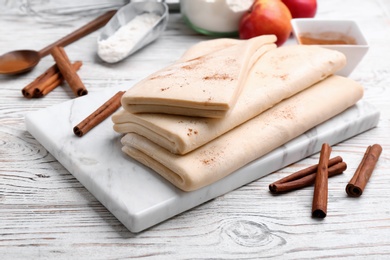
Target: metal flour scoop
[(116, 41)]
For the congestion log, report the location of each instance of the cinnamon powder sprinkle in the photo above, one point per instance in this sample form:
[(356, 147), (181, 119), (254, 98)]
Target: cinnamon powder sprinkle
[(217, 76), (287, 113), (191, 131), (211, 156), (283, 77), (208, 161)]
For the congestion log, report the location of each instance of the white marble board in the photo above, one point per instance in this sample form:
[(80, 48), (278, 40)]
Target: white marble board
[(138, 196)]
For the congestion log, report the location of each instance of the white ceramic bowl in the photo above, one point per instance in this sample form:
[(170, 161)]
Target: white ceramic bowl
[(330, 29)]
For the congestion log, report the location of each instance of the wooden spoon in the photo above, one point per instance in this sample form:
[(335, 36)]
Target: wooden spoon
[(20, 61)]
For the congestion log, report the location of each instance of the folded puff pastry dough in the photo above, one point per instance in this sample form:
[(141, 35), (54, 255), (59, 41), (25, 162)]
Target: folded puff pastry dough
[(249, 141), (277, 75), (208, 46), (205, 86)]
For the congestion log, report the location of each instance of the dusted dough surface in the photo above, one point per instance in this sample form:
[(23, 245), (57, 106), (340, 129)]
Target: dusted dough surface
[(208, 82), (251, 140), (278, 74)]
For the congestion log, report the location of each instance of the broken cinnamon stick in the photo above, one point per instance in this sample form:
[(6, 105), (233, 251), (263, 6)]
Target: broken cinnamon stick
[(99, 115), (46, 82), (308, 179), (356, 185), (320, 198), (68, 72)]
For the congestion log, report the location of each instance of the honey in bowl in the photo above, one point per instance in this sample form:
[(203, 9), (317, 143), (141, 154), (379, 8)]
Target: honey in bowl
[(326, 38)]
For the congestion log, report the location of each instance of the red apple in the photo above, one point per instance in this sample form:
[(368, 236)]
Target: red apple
[(301, 8), (266, 17)]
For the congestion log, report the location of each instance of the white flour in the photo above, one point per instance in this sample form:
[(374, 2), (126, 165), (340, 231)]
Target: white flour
[(118, 46)]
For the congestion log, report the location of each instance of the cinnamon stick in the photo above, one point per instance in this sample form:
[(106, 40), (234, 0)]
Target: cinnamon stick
[(307, 171), (29, 90), (46, 82), (68, 72), (99, 115), (356, 185), (320, 198), (57, 80), (308, 179)]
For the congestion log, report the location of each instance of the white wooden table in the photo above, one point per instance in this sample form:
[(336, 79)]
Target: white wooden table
[(46, 213)]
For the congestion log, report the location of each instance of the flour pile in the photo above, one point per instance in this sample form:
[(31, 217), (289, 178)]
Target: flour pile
[(119, 45)]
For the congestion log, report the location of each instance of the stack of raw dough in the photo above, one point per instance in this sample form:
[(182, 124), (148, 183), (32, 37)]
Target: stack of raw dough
[(227, 102)]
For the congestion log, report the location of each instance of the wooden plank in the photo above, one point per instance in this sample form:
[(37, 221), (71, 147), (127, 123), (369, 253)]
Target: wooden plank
[(46, 213)]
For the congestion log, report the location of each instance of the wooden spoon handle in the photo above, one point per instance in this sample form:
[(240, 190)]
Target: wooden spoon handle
[(79, 33)]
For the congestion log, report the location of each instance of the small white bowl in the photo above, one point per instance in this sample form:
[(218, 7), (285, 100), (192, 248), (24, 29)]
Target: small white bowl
[(355, 48)]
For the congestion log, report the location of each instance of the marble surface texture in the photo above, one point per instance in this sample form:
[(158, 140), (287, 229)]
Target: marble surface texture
[(138, 196)]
